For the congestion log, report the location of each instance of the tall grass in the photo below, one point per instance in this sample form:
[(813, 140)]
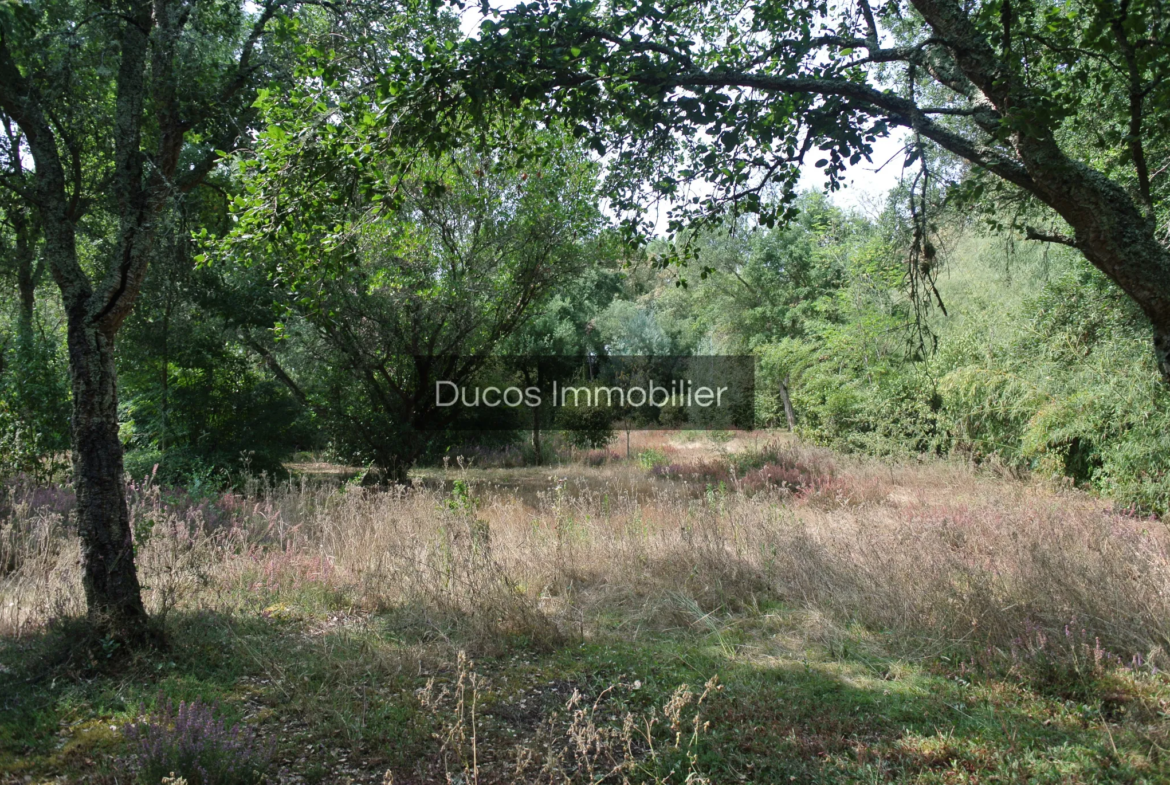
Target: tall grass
[(936, 556)]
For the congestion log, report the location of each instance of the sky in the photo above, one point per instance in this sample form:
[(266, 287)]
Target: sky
[(868, 182)]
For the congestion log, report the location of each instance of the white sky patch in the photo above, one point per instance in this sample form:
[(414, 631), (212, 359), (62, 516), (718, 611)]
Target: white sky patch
[(866, 183)]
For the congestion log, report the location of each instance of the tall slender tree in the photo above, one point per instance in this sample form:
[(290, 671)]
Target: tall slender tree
[(123, 107)]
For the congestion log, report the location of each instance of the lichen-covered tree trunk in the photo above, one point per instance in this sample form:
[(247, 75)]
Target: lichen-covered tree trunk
[(113, 595)]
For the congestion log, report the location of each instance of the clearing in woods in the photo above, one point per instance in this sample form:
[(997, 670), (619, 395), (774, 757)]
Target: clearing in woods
[(707, 610)]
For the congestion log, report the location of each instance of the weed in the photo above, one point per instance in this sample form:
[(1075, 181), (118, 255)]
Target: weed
[(189, 741)]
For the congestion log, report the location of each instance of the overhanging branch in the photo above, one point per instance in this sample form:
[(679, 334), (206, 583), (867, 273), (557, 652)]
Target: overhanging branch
[(1047, 237)]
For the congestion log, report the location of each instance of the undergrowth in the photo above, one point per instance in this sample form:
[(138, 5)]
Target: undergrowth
[(865, 622)]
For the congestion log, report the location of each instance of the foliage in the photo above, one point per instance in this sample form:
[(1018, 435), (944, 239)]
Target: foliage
[(220, 416), (740, 99), (413, 271), (1039, 363), (1072, 392), (190, 742), (1045, 370), (34, 407), (588, 425), (194, 401)]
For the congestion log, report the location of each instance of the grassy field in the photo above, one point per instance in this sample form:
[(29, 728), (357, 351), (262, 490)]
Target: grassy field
[(705, 611)]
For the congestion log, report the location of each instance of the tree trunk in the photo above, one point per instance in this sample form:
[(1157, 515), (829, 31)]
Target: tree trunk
[(26, 276), (390, 469), (788, 411), (112, 593), (1109, 227), (95, 312)]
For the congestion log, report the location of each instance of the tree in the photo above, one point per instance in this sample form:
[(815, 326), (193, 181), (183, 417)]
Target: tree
[(414, 289), (551, 344), (762, 286), (119, 141), (1065, 103)]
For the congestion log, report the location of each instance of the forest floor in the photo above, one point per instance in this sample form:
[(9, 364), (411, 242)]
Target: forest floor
[(744, 611)]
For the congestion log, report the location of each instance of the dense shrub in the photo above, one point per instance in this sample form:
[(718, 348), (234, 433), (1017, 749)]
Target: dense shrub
[(1057, 379)]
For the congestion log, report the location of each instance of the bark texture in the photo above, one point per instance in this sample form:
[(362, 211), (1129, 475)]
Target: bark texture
[(113, 595)]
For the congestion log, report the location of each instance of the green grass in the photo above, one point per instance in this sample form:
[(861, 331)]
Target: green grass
[(338, 693)]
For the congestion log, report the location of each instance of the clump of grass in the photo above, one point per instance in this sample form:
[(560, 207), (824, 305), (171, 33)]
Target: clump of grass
[(582, 741), (599, 457), (191, 742), (652, 457), (1072, 665), (711, 472)]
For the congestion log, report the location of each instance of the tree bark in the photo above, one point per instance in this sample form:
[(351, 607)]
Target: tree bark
[(789, 413), (112, 593)]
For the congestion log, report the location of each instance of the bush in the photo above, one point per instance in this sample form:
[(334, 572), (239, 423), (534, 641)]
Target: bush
[(188, 741), (1058, 380), (587, 427), (652, 457), (709, 472)]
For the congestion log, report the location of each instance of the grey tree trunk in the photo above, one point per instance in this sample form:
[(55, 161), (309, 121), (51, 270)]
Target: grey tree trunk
[(789, 413)]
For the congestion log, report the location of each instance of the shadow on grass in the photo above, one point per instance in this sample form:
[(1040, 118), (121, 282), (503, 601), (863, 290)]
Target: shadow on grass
[(873, 719), (337, 690), (338, 696)]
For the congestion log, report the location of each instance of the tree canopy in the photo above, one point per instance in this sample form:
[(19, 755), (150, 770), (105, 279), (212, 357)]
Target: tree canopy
[(1063, 104)]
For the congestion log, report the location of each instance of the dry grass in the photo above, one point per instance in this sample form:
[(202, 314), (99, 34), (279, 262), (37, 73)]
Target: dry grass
[(335, 617), (938, 555), (582, 740)]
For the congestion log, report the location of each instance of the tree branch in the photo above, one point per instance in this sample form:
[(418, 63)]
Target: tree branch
[(1044, 237), (19, 101), (900, 111)]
